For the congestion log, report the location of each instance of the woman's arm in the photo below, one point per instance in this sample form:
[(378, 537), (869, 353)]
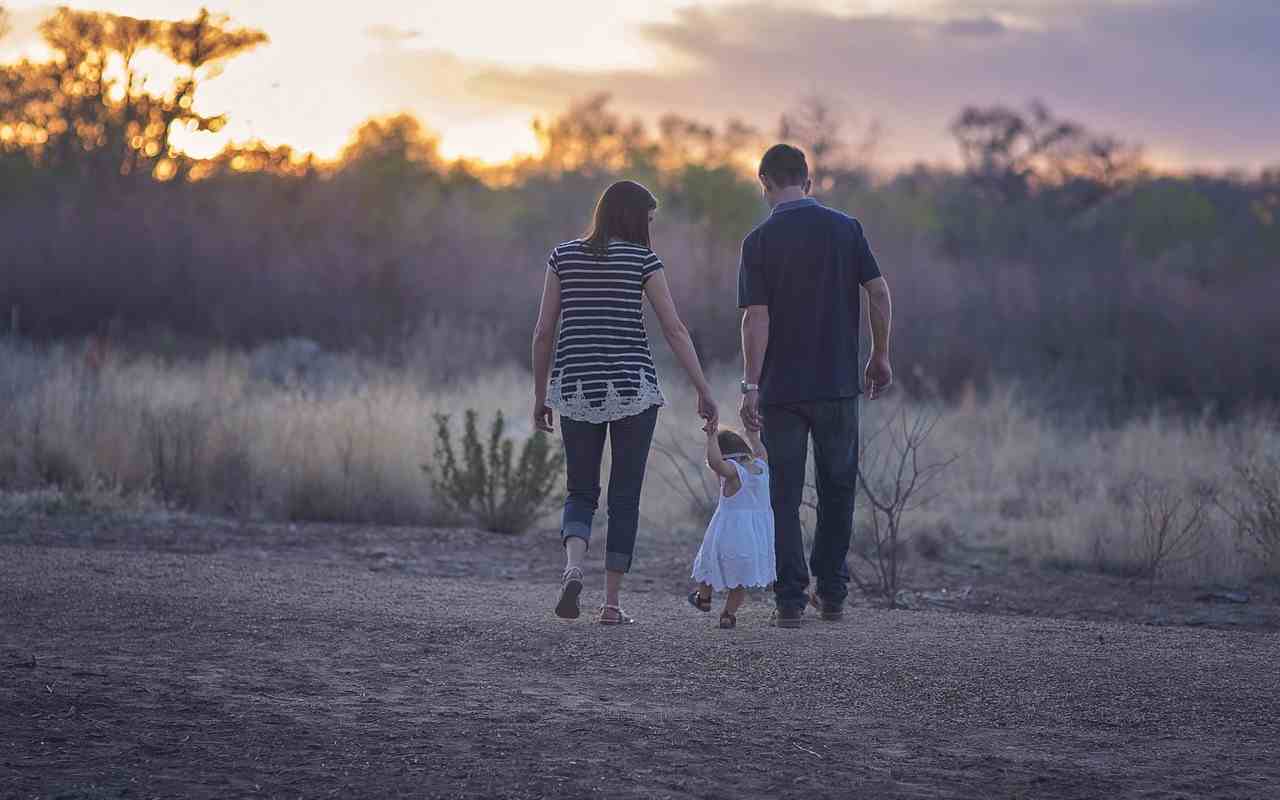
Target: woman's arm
[(544, 337), (716, 459), (677, 335)]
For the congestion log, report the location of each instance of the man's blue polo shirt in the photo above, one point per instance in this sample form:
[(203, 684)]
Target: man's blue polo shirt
[(806, 262)]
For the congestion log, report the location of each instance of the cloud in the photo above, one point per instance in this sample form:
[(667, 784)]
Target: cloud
[(1192, 79), (391, 34), (974, 26)]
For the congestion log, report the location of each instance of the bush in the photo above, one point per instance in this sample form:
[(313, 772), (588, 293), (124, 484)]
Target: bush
[(175, 442), (498, 495), (1256, 510), (1171, 525), (895, 481)]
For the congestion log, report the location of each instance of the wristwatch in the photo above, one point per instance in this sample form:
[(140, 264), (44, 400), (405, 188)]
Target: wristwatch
[(750, 387)]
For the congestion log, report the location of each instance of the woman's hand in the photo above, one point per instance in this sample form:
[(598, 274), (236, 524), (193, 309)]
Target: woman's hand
[(708, 411), (544, 419)]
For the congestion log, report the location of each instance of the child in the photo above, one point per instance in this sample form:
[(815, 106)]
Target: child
[(737, 550)]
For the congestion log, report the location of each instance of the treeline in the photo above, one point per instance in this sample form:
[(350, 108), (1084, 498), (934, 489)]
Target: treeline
[(1054, 256)]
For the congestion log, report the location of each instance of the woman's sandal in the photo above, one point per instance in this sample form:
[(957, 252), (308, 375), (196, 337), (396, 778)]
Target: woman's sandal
[(570, 587), (728, 620), (698, 601), (613, 615)]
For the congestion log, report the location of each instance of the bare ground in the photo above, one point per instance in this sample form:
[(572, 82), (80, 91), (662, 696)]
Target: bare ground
[(183, 657)]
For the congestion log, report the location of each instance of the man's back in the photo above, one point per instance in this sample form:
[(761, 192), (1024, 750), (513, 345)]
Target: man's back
[(806, 263)]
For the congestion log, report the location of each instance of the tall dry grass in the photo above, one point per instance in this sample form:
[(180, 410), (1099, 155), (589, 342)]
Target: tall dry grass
[(290, 432)]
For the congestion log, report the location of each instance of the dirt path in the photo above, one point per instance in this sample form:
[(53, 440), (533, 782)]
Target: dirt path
[(179, 657), (140, 669)]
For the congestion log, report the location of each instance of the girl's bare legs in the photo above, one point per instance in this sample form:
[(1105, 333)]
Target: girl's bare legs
[(735, 600)]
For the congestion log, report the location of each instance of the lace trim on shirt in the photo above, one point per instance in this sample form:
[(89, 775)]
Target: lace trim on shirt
[(613, 407)]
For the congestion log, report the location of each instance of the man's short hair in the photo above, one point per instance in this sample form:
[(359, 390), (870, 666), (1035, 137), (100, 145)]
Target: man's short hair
[(784, 166)]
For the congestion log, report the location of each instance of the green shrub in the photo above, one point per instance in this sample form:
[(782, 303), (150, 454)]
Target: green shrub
[(488, 486)]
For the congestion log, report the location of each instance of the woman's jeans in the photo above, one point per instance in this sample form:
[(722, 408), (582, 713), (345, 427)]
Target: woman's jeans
[(629, 440)]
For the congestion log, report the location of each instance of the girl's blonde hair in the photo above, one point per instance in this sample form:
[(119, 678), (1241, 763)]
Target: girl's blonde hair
[(732, 444)]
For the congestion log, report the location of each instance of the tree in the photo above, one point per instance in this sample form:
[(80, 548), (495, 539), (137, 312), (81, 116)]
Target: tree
[(590, 138), (89, 109), (1004, 149), (1009, 153), (392, 147), (815, 127)]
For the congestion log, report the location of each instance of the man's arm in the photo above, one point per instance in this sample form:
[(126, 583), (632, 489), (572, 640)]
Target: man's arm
[(755, 341), (879, 373)]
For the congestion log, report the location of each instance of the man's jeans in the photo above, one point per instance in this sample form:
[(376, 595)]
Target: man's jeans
[(629, 440), (834, 427)]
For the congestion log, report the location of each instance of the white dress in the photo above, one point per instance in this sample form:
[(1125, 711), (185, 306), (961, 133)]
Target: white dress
[(737, 549)]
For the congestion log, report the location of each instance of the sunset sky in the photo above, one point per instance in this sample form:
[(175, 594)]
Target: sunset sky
[(1195, 81)]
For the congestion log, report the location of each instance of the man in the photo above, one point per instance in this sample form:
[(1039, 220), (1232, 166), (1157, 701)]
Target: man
[(799, 282)]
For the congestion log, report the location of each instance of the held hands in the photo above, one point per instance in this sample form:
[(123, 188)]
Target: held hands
[(749, 410), (707, 410), (879, 375)]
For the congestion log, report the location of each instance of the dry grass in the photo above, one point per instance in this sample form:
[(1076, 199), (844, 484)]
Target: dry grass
[(293, 433)]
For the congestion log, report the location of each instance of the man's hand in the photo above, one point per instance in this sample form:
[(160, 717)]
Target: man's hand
[(544, 418), (750, 411), (879, 375)]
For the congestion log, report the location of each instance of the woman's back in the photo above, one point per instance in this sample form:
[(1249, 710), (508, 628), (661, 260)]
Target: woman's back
[(603, 369)]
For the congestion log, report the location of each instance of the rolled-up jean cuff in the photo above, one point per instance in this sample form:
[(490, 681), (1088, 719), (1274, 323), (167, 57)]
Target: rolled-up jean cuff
[(578, 529), (617, 562)]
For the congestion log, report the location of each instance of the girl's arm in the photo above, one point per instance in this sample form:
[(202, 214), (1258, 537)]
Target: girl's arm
[(715, 459), (544, 338), (757, 446)]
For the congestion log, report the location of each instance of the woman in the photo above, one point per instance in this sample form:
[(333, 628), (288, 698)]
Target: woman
[(603, 380)]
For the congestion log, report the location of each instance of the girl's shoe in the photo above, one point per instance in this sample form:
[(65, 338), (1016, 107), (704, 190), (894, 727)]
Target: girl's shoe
[(613, 615), (698, 601), (728, 620), (570, 588)]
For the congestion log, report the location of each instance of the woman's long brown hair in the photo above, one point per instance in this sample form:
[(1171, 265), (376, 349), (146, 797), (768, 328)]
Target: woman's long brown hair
[(622, 213)]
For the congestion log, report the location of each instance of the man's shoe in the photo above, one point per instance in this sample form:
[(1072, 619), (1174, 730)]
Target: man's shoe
[(788, 618), (827, 611)]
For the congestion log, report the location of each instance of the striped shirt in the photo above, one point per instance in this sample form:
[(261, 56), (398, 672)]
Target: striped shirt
[(603, 370)]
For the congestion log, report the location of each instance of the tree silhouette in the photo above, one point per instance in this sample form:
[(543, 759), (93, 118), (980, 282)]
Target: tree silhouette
[(89, 109), (391, 146), (816, 127), (1009, 153), (591, 139)]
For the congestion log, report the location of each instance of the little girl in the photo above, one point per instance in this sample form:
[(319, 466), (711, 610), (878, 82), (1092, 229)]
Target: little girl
[(737, 550)]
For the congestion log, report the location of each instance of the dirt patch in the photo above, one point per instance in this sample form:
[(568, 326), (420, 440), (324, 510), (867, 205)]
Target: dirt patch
[(180, 657)]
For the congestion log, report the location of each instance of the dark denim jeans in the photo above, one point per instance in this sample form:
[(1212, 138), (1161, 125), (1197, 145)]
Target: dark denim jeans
[(629, 440), (833, 425)]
